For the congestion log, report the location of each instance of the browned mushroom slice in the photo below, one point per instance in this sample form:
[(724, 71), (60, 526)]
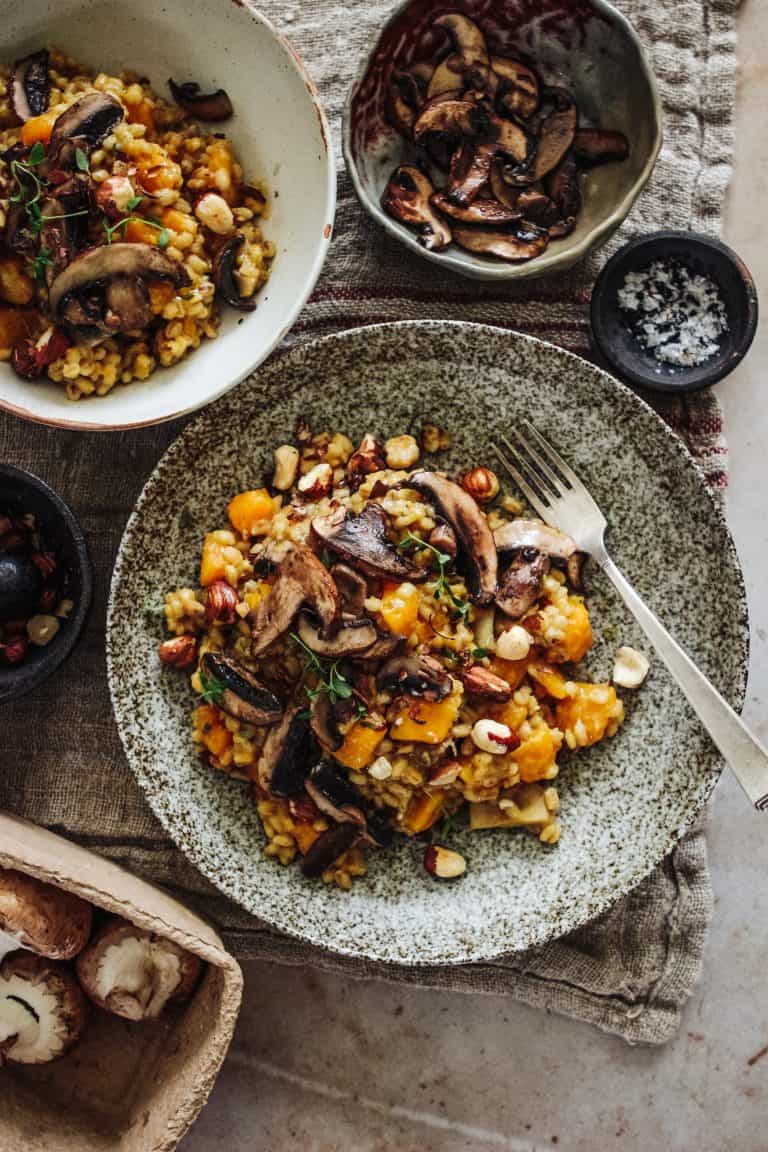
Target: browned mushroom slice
[(324, 723), (406, 198), (574, 570), (468, 41), (399, 113), (525, 244), (287, 755), (469, 171), (536, 534), (415, 675), (352, 590), (328, 848), (477, 552), (413, 83), (510, 139), (556, 137), (480, 211), (505, 194), (520, 87), (599, 146), (335, 795), (108, 261), (127, 301), (302, 579), (209, 106), (536, 206), (84, 125), (447, 77), (238, 692), (563, 188), (457, 117), (520, 585), (225, 275), (29, 85), (363, 542), (352, 638)]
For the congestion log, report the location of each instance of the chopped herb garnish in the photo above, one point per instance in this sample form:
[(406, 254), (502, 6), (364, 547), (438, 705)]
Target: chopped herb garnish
[(36, 153), (332, 682), (443, 589), (81, 160), (40, 263), (481, 653), (163, 237), (134, 202), (213, 689)]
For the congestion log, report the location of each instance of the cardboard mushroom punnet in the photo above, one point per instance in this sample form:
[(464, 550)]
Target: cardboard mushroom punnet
[(160, 1070)]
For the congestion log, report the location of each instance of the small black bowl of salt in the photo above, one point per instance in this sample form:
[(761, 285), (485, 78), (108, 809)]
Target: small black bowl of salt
[(674, 311)]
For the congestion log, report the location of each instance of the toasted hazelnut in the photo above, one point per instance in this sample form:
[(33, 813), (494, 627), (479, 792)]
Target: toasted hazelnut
[(401, 452), (221, 601), (180, 652), (381, 769), (286, 467), (513, 643), (441, 775), (215, 214), (444, 863), (630, 668), (317, 482), (478, 681), (435, 439), (443, 538), (481, 483), (113, 196), (368, 458)]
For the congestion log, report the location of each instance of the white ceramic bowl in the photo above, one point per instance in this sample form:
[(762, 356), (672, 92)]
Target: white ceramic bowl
[(282, 137)]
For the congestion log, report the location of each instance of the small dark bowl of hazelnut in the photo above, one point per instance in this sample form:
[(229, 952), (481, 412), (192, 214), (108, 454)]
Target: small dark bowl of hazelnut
[(46, 581)]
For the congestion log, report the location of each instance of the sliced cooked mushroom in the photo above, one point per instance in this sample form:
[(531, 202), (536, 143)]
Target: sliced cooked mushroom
[(536, 206), (225, 275), (84, 125), (41, 917), (469, 170), (302, 580), (363, 541), (387, 644), (352, 588), (334, 795), (456, 117), (407, 94), (210, 106), (563, 187), (556, 137), (108, 261), (536, 534), (42, 1009), (29, 86), (447, 77), (134, 973), (324, 724), (468, 40), (525, 244), (128, 307), (287, 755), (520, 585), (415, 675), (407, 199), (443, 538), (505, 194), (239, 693), (352, 638), (328, 848), (480, 211), (599, 146), (574, 569), (477, 553), (520, 93)]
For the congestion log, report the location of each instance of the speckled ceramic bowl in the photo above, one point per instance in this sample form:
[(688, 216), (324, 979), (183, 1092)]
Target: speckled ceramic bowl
[(585, 44), (624, 803)]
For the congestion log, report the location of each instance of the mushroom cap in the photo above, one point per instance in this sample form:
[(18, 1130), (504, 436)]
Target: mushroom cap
[(133, 973), (302, 579), (287, 755), (42, 1009), (363, 542), (477, 551), (108, 261), (242, 695), (41, 917)]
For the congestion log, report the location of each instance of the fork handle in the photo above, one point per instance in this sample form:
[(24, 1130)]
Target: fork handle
[(747, 758)]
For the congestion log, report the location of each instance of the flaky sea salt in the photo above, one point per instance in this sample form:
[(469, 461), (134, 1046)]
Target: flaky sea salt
[(676, 315)]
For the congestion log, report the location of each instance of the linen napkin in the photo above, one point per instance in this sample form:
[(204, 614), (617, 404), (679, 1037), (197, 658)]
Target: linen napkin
[(61, 763)]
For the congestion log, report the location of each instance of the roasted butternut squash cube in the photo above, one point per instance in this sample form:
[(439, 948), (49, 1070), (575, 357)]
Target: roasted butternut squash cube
[(359, 747), (400, 607), (249, 510), (551, 680), (577, 639), (513, 671), (535, 757), (423, 721), (589, 714), (422, 812), (213, 563)]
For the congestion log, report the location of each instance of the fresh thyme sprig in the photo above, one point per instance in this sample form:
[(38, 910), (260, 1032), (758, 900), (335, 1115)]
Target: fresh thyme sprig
[(443, 590), (163, 237), (30, 193), (213, 689), (332, 681)]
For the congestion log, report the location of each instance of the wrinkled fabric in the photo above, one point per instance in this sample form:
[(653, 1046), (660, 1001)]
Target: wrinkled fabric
[(61, 763)]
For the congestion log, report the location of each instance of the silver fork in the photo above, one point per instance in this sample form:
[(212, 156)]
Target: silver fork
[(560, 498)]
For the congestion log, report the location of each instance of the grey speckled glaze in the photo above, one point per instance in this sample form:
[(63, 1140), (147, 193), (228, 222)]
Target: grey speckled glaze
[(624, 803)]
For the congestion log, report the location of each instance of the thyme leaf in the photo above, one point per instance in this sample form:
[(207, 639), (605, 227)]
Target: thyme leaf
[(213, 689), (443, 590)]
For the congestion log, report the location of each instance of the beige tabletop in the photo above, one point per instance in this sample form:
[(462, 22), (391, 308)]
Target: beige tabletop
[(321, 1064)]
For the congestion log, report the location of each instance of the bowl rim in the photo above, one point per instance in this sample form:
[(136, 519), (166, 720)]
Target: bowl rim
[(313, 275), (718, 371), (58, 652), (676, 445), (549, 262)]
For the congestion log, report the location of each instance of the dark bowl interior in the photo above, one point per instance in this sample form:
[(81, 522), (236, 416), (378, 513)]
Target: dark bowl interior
[(702, 255), (21, 492)]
